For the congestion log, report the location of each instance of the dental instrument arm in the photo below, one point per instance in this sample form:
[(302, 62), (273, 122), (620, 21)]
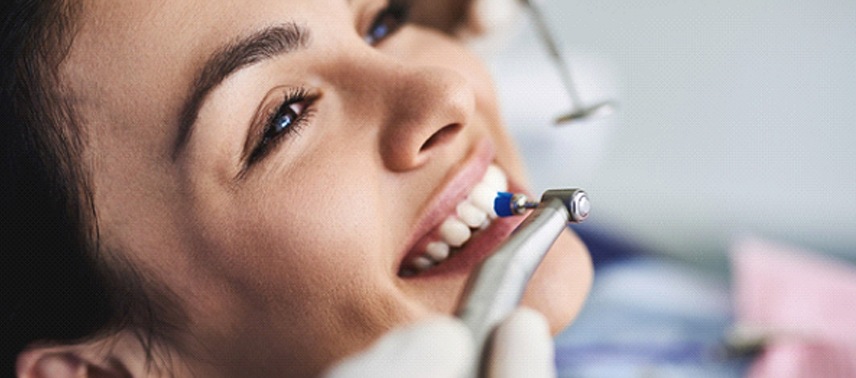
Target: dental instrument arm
[(489, 318), (495, 289)]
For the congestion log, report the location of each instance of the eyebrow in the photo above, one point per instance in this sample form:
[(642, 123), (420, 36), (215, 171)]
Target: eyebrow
[(259, 46)]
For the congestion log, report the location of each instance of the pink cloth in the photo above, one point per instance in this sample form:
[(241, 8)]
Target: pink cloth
[(806, 302)]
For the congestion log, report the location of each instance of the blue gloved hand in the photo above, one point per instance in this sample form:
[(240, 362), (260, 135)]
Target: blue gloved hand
[(443, 348)]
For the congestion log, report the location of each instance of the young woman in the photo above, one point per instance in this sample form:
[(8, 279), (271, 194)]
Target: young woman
[(244, 188)]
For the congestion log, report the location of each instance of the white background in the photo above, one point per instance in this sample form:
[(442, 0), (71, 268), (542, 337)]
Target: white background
[(736, 117)]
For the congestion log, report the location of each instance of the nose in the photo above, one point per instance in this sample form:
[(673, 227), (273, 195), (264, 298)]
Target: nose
[(429, 108)]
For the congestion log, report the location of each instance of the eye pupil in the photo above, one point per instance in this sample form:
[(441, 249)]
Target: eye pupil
[(387, 23), (381, 31), (284, 121)]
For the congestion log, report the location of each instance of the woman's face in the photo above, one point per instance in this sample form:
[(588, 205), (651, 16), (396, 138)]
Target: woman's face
[(284, 165)]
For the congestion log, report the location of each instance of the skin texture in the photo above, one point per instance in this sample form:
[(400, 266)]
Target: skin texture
[(445, 15), (284, 267)]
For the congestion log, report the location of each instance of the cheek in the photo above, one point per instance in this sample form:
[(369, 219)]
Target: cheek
[(305, 253), (318, 229), (561, 283), (312, 222)]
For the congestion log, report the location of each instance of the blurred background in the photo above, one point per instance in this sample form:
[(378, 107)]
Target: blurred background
[(736, 117)]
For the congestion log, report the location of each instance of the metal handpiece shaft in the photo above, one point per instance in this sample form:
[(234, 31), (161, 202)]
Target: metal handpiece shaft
[(497, 287)]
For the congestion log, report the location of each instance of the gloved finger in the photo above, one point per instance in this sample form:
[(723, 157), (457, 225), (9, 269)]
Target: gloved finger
[(439, 348), (522, 347)]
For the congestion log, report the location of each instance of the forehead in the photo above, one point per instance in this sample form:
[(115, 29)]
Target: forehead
[(128, 34), (149, 24), (134, 60), (132, 65)]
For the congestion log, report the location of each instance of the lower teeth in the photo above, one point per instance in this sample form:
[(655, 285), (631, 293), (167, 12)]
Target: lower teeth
[(471, 215), (437, 252)]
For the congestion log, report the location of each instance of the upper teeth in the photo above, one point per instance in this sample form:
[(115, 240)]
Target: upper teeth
[(470, 215), (474, 212)]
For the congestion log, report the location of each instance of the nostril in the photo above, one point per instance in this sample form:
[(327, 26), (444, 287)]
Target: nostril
[(441, 136)]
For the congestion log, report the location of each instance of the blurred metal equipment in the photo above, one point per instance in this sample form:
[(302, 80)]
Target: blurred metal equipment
[(579, 110)]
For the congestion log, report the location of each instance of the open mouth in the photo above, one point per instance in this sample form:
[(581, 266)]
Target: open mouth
[(470, 228)]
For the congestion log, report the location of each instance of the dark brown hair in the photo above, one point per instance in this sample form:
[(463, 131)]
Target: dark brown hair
[(57, 284)]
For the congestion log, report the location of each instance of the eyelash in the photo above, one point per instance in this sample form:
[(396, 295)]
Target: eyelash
[(271, 136), (395, 12)]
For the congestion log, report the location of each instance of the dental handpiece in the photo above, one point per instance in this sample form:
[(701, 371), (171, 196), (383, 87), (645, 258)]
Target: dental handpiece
[(496, 287)]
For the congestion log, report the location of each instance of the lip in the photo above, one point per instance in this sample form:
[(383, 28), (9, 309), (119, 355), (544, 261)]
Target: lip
[(443, 203)]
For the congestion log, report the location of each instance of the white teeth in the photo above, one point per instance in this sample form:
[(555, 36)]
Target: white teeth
[(470, 214), (438, 251), (454, 232), (482, 197), (473, 213), (422, 263), (495, 178)]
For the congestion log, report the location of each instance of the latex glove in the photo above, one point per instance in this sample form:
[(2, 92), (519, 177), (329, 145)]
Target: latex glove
[(443, 348)]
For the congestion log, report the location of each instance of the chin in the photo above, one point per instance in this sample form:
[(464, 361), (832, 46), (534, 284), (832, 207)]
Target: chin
[(560, 285)]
